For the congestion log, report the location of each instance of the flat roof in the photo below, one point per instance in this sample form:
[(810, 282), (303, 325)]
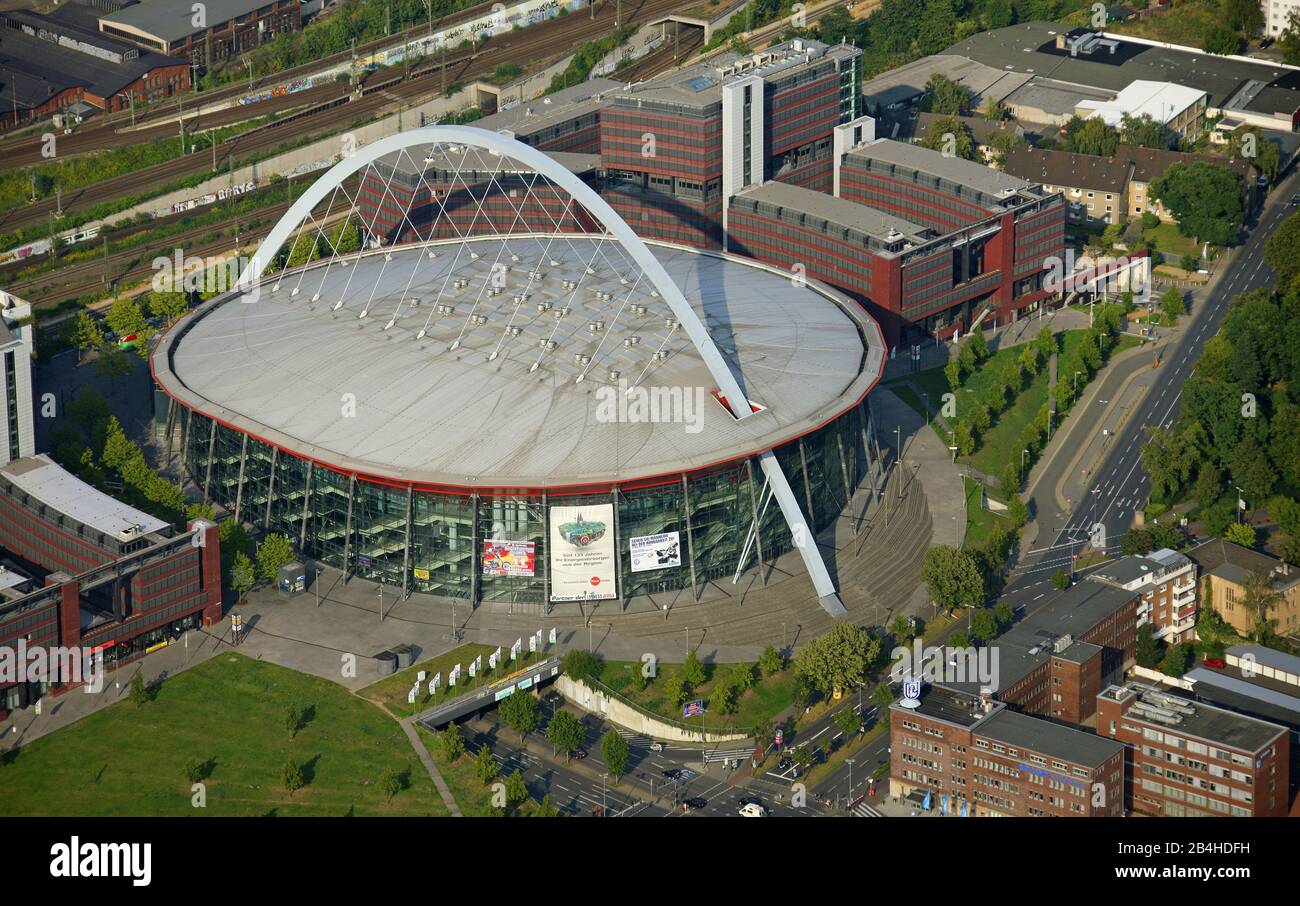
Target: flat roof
[(463, 404), (841, 212), (903, 83), (1030, 47), (1259, 696), (1053, 97), (1184, 716), (1072, 612), (1269, 657), (49, 483), (956, 170), (172, 20), (1161, 101), (1047, 738), (527, 117), (948, 704), (699, 84)]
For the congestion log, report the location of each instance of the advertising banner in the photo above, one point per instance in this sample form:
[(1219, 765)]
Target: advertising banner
[(509, 558), (582, 553), (660, 551)]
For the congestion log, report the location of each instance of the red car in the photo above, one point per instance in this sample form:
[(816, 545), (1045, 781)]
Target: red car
[(1216, 662)]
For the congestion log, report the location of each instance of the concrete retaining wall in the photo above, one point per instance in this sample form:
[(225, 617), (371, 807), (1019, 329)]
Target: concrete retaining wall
[(615, 711)]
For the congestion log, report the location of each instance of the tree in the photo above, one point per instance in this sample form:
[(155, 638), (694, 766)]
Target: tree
[(1249, 144), (1091, 136), (848, 721), (945, 96), (1206, 201), (1289, 42), (839, 658), (303, 251), (582, 665), (565, 732), (452, 742), (485, 766), (291, 775), (676, 689), (1169, 460), (168, 306), (345, 238), (274, 552), (903, 629), (293, 717), (194, 770), (1142, 131), (139, 694), (952, 577), (770, 661), (1061, 580), (1241, 533), (693, 670), (835, 25), (982, 624), (1003, 613), (391, 782), (125, 318), (1136, 542), (1219, 39), (519, 711), (614, 749), (950, 137), (243, 575), (516, 788), (1147, 650), (1174, 662), (1172, 304), (1245, 17), (724, 697), (882, 698), (1017, 512), (113, 363), (87, 334)]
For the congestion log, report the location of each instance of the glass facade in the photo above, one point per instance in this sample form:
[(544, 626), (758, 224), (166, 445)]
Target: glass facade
[(430, 540)]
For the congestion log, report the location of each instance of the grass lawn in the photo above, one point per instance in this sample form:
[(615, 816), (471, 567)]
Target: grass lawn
[(228, 712), (763, 701), (1185, 25), (391, 691), (979, 521), (1167, 239)]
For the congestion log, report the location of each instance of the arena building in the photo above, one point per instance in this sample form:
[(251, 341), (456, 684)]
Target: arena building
[(525, 414)]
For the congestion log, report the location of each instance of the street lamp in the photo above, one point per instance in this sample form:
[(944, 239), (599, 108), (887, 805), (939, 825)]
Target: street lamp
[(1023, 454), (1241, 501), (1074, 383), (849, 762)]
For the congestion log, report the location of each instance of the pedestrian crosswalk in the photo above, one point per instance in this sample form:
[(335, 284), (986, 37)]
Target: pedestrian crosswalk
[(862, 810)]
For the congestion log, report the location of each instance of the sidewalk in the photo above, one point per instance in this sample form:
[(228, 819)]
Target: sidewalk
[(23, 726)]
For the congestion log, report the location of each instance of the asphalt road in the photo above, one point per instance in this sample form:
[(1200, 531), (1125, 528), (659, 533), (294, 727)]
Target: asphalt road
[(1120, 485)]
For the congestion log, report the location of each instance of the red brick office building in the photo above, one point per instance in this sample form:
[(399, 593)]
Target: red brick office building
[(99, 574), (1191, 759), (975, 756)]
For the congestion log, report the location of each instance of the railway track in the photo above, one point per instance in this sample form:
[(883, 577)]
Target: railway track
[(530, 44)]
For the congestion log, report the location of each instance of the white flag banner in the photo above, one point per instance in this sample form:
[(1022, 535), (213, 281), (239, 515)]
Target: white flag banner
[(494, 658), (433, 683), (455, 674), (532, 643), (1241, 503), (410, 696), (473, 668), (552, 640), (516, 648)]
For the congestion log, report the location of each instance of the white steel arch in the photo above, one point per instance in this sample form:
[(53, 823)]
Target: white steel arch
[(727, 381), (728, 385)]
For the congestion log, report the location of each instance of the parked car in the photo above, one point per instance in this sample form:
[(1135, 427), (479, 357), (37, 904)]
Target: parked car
[(579, 754), (656, 747), (1216, 662), (694, 803), (752, 810)]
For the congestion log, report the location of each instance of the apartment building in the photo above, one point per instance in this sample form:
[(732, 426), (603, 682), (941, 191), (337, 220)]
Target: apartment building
[(18, 439), (1166, 582), (975, 756), (1192, 759), (1226, 570)]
